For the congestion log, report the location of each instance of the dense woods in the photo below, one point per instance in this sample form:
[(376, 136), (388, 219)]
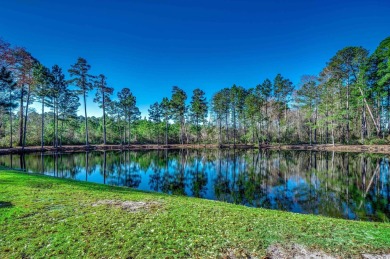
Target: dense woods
[(347, 102)]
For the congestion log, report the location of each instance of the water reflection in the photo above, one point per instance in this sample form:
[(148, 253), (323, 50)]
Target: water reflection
[(342, 185)]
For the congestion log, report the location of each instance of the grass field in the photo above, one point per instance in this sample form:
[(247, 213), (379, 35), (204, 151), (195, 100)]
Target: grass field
[(42, 216)]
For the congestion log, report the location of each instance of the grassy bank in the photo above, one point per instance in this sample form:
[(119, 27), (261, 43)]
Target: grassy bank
[(44, 216)]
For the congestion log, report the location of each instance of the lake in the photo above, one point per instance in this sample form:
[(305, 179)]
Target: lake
[(341, 185)]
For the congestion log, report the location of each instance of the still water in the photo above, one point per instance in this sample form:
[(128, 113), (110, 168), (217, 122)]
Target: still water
[(341, 185)]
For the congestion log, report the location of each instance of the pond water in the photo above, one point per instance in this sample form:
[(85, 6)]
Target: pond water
[(341, 185)]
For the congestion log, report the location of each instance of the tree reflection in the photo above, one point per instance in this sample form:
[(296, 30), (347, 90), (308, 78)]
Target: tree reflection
[(344, 185), (198, 176)]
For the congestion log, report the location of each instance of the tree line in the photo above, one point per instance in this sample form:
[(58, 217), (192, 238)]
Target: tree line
[(347, 102)]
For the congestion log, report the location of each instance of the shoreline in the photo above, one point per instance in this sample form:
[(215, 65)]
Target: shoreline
[(78, 148), (380, 149)]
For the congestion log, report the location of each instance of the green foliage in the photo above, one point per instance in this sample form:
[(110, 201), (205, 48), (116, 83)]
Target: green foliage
[(80, 77), (179, 109), (198, 109), (7, 89), (128, 110), (382, 54), (83, 80), (378, 141)]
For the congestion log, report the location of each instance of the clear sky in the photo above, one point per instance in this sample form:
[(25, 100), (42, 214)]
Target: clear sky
[(151, 45)]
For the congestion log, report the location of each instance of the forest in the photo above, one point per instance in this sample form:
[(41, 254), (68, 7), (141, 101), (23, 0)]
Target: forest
[(348, 102)]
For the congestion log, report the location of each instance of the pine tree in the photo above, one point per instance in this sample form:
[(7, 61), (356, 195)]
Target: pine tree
[(127, 103), (221, 106), (282, 91), (198, 109), (179, 109), (7, 96), (102, 97), (217, 108), (308, 98), (42, 80), (381, 73), (58, 89), (167, 115), (114, 110), (264, 90), (253, 105), (83, 80), (23, 70), (68, 105), (155, 115)]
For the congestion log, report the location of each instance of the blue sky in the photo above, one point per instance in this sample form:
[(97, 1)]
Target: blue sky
[(150, 46)]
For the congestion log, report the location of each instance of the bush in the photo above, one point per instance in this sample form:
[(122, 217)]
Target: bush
[(378, 141)]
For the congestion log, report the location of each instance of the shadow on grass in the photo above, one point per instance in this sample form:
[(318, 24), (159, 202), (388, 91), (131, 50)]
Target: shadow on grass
[(5, 204), (40, 185)]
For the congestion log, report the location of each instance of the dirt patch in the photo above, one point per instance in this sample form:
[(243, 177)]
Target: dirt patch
[(298, 251), (130, 206), (237, 254), (294, 251), (373, 256)]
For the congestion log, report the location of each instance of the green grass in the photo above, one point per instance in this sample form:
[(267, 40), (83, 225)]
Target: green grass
[(55, 217)]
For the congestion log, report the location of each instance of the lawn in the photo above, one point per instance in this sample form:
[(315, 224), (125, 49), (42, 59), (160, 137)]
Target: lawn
[(42, 216)]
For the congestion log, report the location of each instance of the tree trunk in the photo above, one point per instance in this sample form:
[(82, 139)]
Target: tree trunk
[(285, 118), (86, 119), (182, 131), (299, 126), (266, 119), (158, 133), (332, 134), (43, 122), (10, 119), (234, 126), (21, 117), (244, 124), (104, 118), (220, 131), (327, 124), (227, 127), (25, 117), (54, 123), (315, 126), (347, 135), (124, 133), (310, 132), (129, 133), (364, 125), (253, 131), (166, 131), (62, 129), (388, 106), (368, 107), (311, 126), (118, 119), (197, 130), (279, 130), (57, 123), (379, 115)]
